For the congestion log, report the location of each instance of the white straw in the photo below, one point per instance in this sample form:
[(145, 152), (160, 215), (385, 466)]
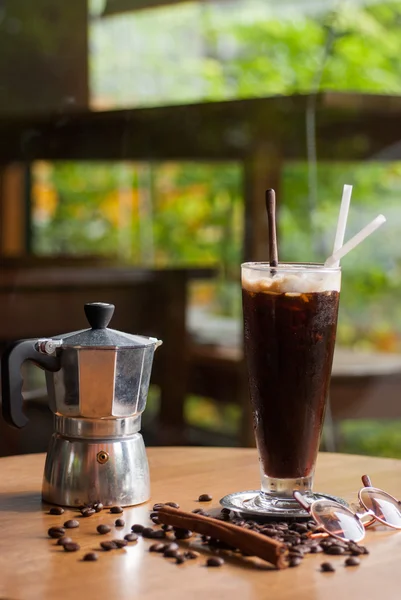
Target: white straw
[(355, 241), (342, 219)]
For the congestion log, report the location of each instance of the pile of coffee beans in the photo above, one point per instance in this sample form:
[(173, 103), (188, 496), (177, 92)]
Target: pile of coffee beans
[(296, 536)]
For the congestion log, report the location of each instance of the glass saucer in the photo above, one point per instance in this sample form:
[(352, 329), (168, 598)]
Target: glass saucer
[(252, 503)]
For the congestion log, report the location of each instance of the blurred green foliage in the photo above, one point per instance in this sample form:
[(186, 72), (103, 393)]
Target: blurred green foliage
[(213, 51), (372, 438)]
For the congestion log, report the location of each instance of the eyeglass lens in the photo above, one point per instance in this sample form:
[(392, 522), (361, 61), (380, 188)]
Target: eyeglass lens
[(385, 508), (338, 520)]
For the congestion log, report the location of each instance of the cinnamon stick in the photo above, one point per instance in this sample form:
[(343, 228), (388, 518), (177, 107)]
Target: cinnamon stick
[(250, 542)]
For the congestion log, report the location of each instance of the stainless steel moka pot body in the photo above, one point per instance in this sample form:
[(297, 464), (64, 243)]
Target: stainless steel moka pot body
[(97, 382)]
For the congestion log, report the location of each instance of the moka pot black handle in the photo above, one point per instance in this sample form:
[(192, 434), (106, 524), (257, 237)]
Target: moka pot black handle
[(11, 379)]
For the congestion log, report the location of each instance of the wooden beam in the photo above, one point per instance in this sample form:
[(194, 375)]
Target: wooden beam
[(116, 7), (346, 128)]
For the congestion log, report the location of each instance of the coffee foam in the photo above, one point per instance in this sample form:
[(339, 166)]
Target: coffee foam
[(290, 283)]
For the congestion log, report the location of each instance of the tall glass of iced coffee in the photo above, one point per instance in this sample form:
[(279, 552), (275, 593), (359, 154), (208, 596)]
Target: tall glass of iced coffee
[(290, 320)]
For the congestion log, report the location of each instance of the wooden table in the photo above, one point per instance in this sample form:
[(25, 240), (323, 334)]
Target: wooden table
[(33, 567)]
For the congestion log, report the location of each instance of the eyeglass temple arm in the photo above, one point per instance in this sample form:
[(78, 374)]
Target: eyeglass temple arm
[(368, 517), (300, 499), (366, 481)]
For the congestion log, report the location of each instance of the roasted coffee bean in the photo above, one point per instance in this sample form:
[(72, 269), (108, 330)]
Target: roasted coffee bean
[(167, 528), (305, 548), (71, 524), (155, 520), (137, 528), (225, 511), (64, 540), (269, 531), (71, 547), (157, 547), (172, 504), (295, 554), (205, 498), (102, 529), (298, 528), (327, 567), (355, 550), (352, 561), (120, 543), (334, 550), (157, 534), (215, 561), (326, 542), (153, 514), (171, 546), (341, 544), (56, 510), (90, 557), (116, 510), (119, 523), (107, 546), (180, 559), (98, 507), (364, 549), (191, 554), (294, 561), (198, 511), (146, 532), (131, 537), (182, 534), (316, 548), (240, 523), (220, 544), (157, 506), (291, 537), (88, 512), (56, 532), (171, 553)]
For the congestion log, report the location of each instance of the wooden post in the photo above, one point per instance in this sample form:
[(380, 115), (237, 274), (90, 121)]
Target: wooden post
[(262, 170), (174, 375), (13, 210)]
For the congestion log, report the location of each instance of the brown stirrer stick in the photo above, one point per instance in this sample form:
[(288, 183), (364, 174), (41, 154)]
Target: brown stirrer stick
[(271, 216)]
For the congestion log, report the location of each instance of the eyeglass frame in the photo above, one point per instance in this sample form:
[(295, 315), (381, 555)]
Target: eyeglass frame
[(358, 516)]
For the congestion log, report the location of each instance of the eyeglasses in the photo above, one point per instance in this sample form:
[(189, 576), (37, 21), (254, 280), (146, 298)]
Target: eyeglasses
[(340, 522)]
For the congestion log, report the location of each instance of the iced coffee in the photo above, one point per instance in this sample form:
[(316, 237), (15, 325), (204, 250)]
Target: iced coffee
[(290, 321)]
